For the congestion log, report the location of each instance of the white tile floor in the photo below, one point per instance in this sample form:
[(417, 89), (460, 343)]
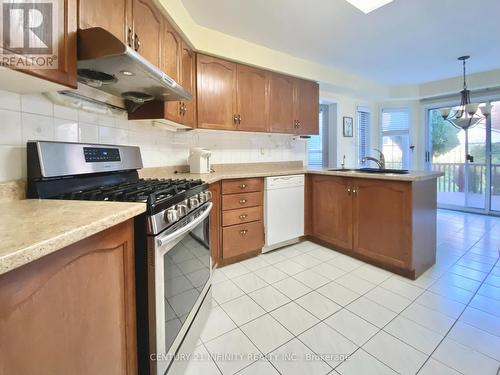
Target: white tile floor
[(305, 309)]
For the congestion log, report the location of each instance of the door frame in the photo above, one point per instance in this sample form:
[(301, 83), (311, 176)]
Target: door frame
[(488, 154)]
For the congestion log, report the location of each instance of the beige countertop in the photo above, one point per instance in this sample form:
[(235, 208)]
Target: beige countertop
[(31, 229), (222, 172)]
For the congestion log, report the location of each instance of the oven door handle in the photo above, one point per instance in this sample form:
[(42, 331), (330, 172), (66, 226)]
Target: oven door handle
[(162, 240)]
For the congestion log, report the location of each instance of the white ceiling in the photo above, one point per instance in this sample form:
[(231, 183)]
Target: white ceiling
[(404, 42)]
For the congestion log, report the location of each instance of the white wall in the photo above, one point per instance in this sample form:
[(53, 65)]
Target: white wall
[(34, 117), (347, 107)]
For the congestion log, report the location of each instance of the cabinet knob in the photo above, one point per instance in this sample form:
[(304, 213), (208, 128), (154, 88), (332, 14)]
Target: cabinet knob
[(243, 232), (235, 119), (349, 190), (243, 186), (243, 216), (243, 201)]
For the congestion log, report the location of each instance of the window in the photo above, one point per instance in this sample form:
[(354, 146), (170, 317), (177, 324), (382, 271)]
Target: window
[(317, 145), (396, 137), (363, 140)]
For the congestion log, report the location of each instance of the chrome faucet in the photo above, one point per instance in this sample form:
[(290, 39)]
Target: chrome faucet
[(380, 162)]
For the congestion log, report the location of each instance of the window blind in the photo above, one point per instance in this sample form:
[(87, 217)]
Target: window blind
[(315, 147), (363, 134), (394, 119)]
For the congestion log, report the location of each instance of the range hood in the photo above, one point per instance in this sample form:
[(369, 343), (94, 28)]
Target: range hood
[(112, 73)]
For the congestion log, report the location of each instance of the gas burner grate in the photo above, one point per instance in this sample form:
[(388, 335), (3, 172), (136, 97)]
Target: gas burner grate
[(154, 192)]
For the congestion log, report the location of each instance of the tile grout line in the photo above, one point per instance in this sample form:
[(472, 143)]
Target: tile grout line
[(453, 325), (344, 307)]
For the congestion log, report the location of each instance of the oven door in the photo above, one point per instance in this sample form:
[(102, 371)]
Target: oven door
[(182, 271)]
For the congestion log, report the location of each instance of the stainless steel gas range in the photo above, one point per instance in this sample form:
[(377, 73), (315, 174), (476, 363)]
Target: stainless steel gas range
[(173, 263)]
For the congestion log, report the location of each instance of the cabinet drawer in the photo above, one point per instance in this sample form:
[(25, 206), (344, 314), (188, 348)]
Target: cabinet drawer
[(233, 201), (241, 239), (242, 185), (243, 215)]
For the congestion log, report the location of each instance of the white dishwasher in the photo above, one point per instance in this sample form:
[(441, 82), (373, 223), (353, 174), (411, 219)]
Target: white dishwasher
[(284, 210)]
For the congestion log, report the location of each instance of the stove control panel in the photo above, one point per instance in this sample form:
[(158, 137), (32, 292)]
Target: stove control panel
[(101, 154)]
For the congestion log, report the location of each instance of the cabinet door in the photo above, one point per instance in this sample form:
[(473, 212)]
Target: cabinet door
[(79, 306), (110, 15), (239, 240), (331, 210), (65, 73), (281, 108), (170, 64), (147, 29), (188, 81), (216, 93), (306, 107), (382, 221), (252, 87)]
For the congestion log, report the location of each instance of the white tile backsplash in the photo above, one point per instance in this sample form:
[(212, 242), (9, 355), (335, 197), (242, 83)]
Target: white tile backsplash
[(10, 128), (34, 117), (38, 104)]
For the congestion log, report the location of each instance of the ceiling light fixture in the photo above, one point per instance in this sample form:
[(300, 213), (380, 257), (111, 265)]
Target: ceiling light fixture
[(466, 115), (367, 6)]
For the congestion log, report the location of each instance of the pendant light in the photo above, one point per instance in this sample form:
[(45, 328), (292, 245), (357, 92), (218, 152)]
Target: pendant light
[(466, 115)]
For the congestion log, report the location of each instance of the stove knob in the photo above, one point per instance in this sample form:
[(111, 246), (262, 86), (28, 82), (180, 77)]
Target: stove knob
[(172, 215), (208, 195), (203, 197), (182, 210), (194, 202)]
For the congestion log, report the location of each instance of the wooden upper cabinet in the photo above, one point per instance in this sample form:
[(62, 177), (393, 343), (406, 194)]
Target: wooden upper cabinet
[(148, 28), (216, 93), (65, 73), (331, 210), (382, 221), (170, 64), (111, 15), (281, 103), (188, 81), (252, 87), (171, 48), (306, 107)]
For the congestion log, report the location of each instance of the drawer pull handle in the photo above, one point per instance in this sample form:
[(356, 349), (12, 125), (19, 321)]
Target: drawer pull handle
[(243, 216), (243, 201), (243, 232), (243, 186)]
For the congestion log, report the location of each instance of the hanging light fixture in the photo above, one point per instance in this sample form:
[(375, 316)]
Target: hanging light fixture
[(467, 114)]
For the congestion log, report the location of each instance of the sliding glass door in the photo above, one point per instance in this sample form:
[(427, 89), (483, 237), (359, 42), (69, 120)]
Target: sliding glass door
[(495, 157), (470, 161)]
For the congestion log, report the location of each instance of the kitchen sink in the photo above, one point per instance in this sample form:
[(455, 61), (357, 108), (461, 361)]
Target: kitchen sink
[(373, 170)]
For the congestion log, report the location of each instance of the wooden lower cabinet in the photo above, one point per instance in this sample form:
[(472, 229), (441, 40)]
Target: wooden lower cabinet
[(242, 239), (237, 226), (73, 311), (242, 200), (382, 213), (242, 215), (391, 224), (331, 211)]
